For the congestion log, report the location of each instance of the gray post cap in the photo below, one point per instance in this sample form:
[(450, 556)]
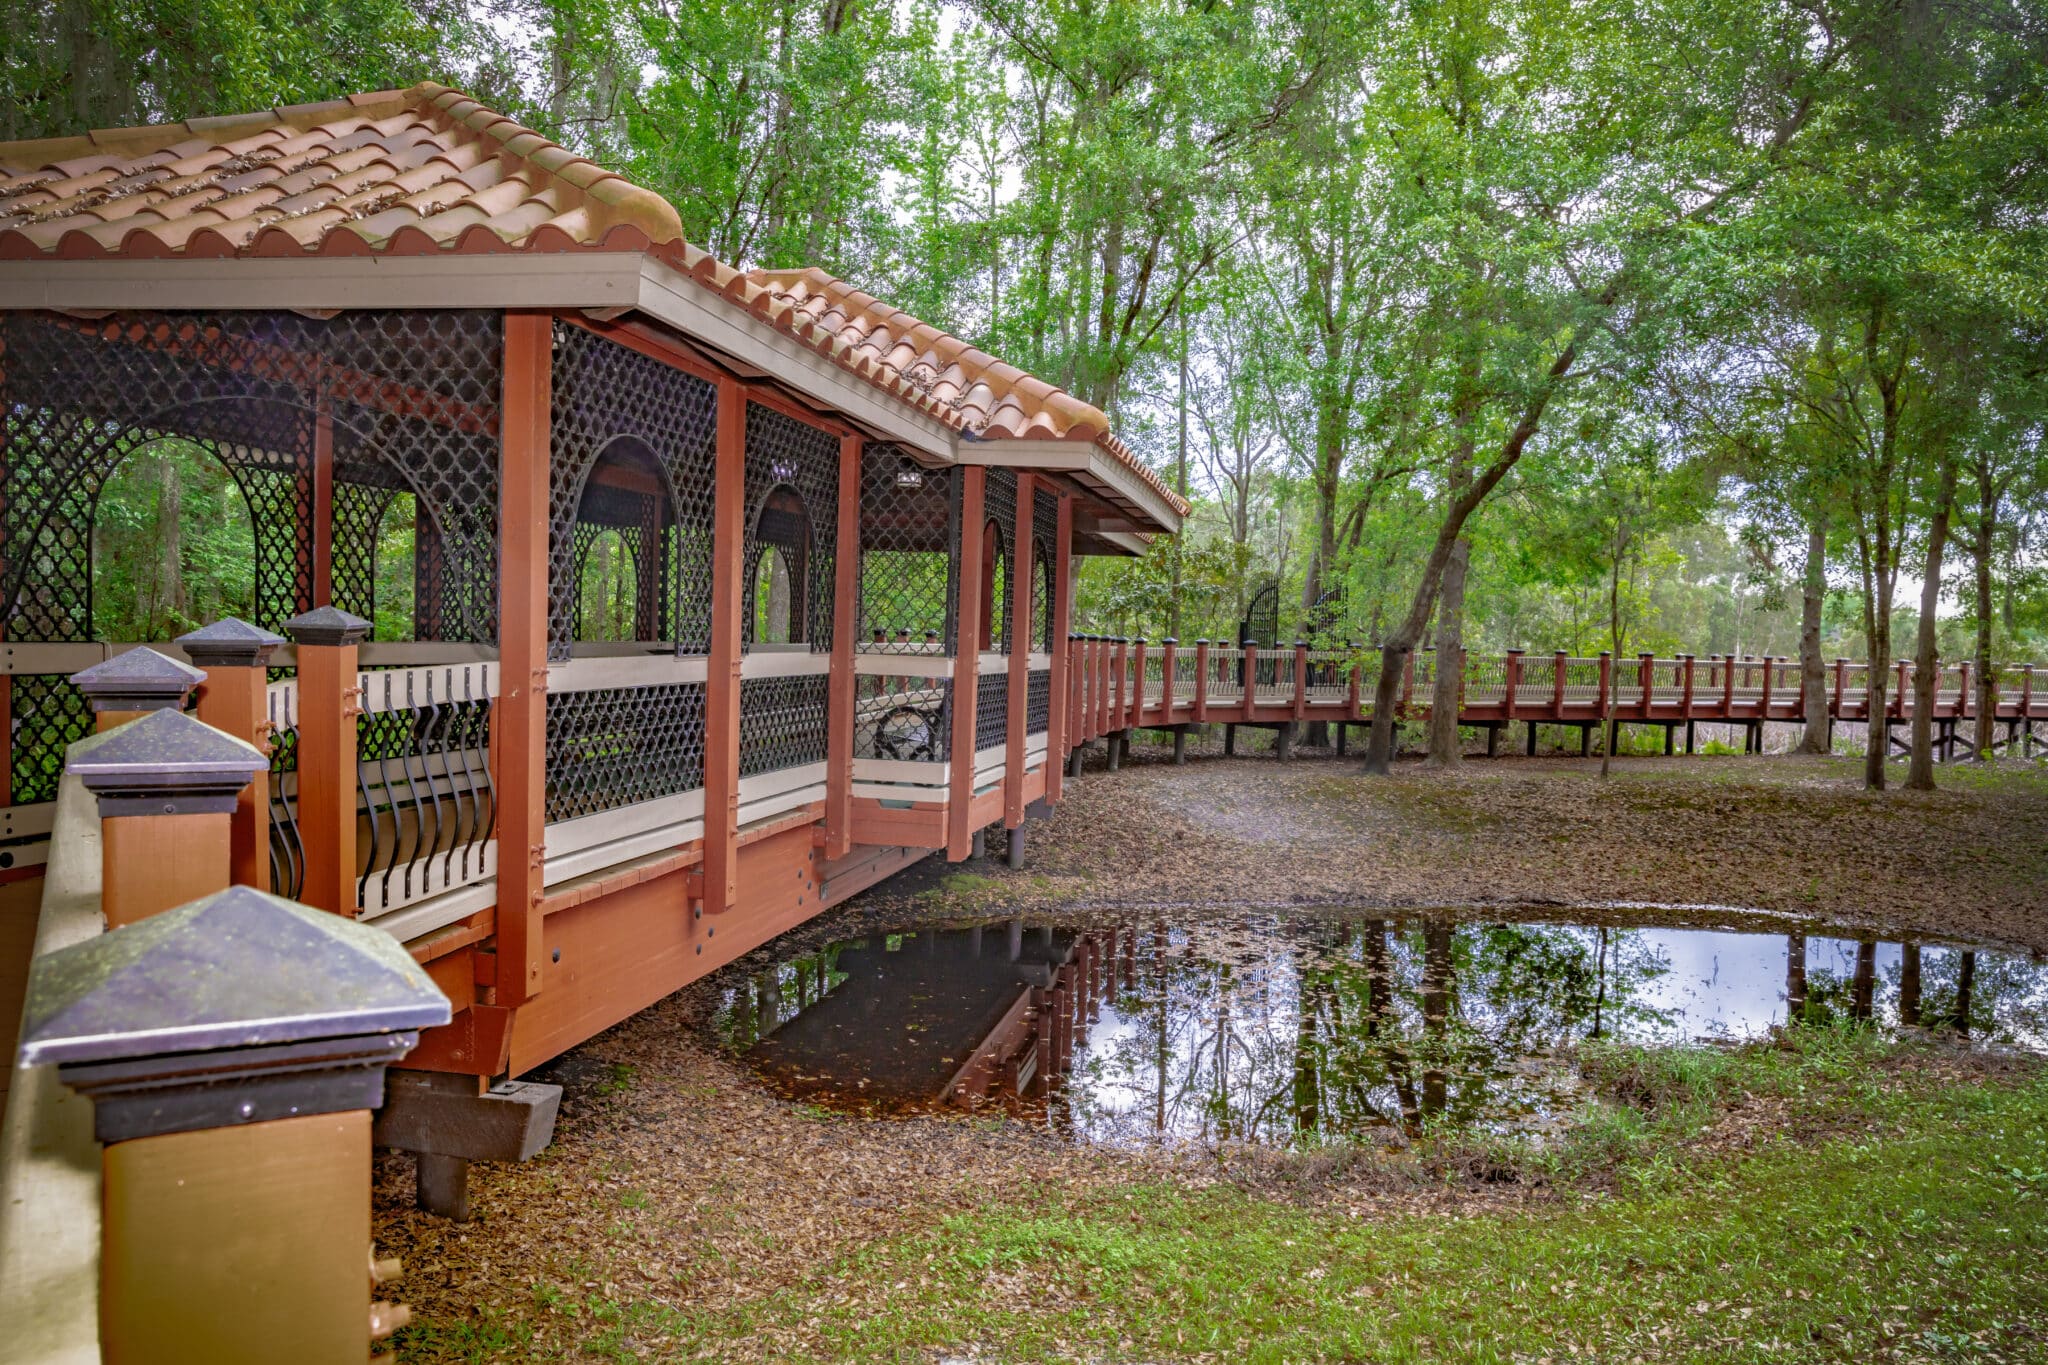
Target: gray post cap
[(137, 680), (234, 1008), (165, 763), (230, 643), (327, 626)]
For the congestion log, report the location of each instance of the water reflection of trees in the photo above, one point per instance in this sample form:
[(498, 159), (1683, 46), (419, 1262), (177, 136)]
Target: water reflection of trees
[(1279, 1031)]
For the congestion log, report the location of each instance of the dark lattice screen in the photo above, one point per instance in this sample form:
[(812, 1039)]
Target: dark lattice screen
[(614, 748), (411, 401), (783, 452), (782, 723), (1045, 526), (49, 715), (287, 841), (643, 524), (999, 505), (991, 710), (358, 512), (909, 528), (1038, 701), (909, 719), (604, 391)]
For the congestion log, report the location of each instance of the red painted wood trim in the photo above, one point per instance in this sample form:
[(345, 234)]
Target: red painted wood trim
[(327, 775), (722, 678), (1020, 656), (1300, 679), (520, 717), (966, 664), (839, 700), (1062, 650)]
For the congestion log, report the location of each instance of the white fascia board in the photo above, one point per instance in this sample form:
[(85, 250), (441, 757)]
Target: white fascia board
[(670, 296), (568, 279), (1085, 458)]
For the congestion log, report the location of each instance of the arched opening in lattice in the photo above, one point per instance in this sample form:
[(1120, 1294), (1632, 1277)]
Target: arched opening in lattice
[(777, 606), (172, 546), (624, 550), (1041, 593), (995, 587), (395, 570)]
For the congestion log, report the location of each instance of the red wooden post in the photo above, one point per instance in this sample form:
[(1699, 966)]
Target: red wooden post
[(1763, 709), (1201, 710), (328, 706), (1963, 708), (234, 655), (1300, 679), (1138, 685), (1121, 711), (1686, 703), (1020, 614), (966, 664), (1511, 678), (1841, 669), (1727, 686), (1606, 678), (1168, 652), (1899, 692), (722, 678), (1061, 720), (1646, 676), (1557, 687), (840, 698), (519, 719)]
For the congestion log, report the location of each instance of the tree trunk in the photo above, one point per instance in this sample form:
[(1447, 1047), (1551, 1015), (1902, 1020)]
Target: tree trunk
[(1966, 981), (1795, 978), (1865, 982), (1445, 751), (1987, 676), (1909, 984), (1436, 1012), (1813, 674), (1920, 768)]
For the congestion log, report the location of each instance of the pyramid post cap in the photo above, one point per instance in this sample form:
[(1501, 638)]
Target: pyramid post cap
[(328, 625), (165, 763), (238, 969), (137, 679), (230, 643)]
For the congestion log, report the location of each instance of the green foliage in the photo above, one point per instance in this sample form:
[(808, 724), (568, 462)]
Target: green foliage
[(172, 545)]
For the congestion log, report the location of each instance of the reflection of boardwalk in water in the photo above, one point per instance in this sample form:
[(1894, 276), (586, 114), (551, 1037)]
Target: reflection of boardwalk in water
[(1285, 1030)]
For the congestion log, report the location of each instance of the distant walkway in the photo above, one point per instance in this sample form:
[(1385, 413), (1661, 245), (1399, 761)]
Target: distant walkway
[(1119, 685)]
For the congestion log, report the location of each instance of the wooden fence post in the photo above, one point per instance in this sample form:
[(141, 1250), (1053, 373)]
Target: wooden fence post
[(519, 718), (1062, 718), (1201, 708), (234, 1108), (166, 785), (1511, 678), (966, 664), (329, 704), (1841, 670), (235, 656), (134, 683), (839, 702), (1561, 662), (1138, 683), (1606, 680), (1300, 679), (1763, 709), (1646, 678), (1019, 615), (1122, 709), (1169, 649)]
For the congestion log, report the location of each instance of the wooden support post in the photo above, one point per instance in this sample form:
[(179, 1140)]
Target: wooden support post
[(1122, 667), (1646, 679), (1300, 679), (1963, 706), (1685, 695), (1835, 706), (1559, 662), (1763, 707), (519, 720), (1530, 726), (1169, 650), (329, 703), (1019, 613), (1062, 649), (1511, 674), (1136, 716), (966, 663), (722, 675), (235, 655), (839, 698), (1606, 680), (1728, 687), (1899, 693), (1201, 707)]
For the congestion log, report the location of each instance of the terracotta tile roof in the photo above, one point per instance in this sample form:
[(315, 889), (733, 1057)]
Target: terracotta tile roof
[(428, 169), (399, 171), (969, 390)]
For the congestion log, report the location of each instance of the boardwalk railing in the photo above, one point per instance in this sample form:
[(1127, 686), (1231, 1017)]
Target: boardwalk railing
[(1122, 684)]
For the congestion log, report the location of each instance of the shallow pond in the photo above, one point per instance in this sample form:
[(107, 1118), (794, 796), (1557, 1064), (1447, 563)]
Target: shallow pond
[(1282, 1028)]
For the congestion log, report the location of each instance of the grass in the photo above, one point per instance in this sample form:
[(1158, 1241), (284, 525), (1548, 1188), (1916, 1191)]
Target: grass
[(1842, 1199)]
